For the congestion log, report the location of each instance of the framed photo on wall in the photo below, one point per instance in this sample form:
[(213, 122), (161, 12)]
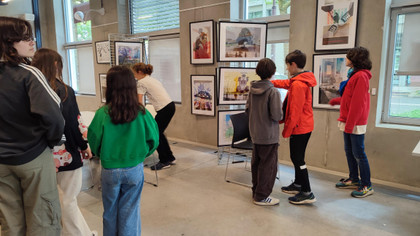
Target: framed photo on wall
[(103, 55), (225, 127), (202, 95), (330, 70), (336, 24), (128, 53), (234, 84), (102, 86), (202, 42), (239, 41)]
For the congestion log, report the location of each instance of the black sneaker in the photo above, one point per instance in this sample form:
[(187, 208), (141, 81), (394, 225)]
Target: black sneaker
[(301, 198), (292, 189), (160, 166)]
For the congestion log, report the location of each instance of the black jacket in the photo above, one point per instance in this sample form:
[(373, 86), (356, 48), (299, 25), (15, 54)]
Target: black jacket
[(30, 115)]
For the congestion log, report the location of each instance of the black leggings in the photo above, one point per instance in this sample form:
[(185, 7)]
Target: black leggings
[(163, 117), (298, 145)]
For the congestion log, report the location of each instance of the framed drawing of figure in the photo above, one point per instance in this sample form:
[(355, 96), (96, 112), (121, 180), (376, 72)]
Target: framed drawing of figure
[(202, 95), (103, 55), (329, 70), (102, 86), (336, 24), (239, 41), (128, 53), (224, 127), (201, 42), (234, 84)]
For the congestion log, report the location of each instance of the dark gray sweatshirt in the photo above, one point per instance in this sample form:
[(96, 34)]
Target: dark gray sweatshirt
[(265, 111)]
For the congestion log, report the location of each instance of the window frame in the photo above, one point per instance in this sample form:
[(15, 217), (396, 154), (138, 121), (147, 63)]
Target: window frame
[(386, 118)]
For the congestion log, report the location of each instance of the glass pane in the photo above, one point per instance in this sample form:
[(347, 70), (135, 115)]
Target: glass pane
[(264, 8), (81, 73), (78, 23), (278, 52)]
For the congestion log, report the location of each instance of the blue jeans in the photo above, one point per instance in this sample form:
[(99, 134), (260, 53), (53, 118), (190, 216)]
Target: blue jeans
[(121, 190), (354, 146)]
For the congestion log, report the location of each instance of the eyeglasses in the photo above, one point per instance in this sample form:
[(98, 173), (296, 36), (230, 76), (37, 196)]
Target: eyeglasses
[(28, 38)]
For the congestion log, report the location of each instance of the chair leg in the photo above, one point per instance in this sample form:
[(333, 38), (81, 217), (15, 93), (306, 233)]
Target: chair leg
[(156, 175)]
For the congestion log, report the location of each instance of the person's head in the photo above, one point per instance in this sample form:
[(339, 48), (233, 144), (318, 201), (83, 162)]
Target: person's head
[(358, 59), (140, 70), (121, 95), (16, 40), (266, 68), (295, 61)]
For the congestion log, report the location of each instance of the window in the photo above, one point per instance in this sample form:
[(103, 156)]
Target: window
[(265, 8), (152, 15), (402, 97), (78, 46)]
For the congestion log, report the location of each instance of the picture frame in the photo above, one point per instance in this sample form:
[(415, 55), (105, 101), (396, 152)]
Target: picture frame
[(241, 41), (103, 54), (102, 86), (225, 127), (329, 70), (234, 84), (202, 42), (202, 95), (336, 24), (128, 53)]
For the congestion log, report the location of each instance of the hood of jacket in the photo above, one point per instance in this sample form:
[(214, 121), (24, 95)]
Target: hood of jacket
[(367, 72), (305, 77), (260, 86)]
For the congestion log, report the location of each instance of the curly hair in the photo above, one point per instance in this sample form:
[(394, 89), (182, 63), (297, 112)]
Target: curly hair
[(145, 69), (359, 57), (121, 95), (13, 30)]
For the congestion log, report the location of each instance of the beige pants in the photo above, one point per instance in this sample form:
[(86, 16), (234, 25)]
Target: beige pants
[(69, 185), (29, 203)]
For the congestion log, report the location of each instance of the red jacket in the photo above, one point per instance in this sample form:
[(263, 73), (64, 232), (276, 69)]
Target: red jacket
[(299, 117), (355, 102)]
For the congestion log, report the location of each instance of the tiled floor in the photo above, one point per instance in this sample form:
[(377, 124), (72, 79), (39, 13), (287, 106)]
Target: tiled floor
[(193, 199)]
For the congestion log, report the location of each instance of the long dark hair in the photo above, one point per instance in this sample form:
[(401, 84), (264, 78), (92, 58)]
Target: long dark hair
[(13, 30), (121, 95), (359, 57), (49, 62)]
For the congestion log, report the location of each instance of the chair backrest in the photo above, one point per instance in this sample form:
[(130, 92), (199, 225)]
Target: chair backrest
[(240, 127)]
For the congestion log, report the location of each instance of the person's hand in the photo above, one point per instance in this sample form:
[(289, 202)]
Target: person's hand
[(57, 164), (334, 101), (87, 154)]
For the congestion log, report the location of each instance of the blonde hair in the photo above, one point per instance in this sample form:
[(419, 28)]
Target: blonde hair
[(145, 69)]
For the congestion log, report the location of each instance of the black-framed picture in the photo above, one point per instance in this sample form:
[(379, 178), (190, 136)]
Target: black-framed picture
[(225, 127), (240, 41), (336, 24), (202, 95), (102, 86), (234, 84), (103, 55), (329, 70), (128, 53), (202, 42)]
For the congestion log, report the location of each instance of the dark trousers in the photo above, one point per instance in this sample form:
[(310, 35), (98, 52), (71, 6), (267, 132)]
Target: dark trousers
[(298, 145), (264, 170), (163, 117)]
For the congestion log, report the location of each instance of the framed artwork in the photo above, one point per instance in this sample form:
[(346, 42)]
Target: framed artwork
[(128, 53), (225, 127), (201, 42), (239, 41), (234, 84), (202, 95), (336, 24), (330, 70), (102, 86), (103, 55)]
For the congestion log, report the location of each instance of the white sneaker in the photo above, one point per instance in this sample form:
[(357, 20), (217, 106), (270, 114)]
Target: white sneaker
[(269, 201)]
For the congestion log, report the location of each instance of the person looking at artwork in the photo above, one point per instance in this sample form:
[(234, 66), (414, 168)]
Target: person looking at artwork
[(164, 107), (31, 123), (122, 133), (69, 176), (354, 113), (265, 111), (298, 123)]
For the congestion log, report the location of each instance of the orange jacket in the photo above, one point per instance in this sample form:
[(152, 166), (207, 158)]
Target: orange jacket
[(299, 117)]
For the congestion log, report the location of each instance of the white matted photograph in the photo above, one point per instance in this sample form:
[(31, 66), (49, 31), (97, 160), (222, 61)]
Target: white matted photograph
[(234, 84), (103, 55), (202, 95), (225, 127), (201, 42)]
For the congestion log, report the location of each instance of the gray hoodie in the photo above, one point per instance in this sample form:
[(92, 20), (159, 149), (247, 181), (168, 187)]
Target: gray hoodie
[(265, 111)]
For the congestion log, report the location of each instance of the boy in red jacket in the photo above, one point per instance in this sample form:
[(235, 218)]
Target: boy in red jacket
[(298, 123)]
